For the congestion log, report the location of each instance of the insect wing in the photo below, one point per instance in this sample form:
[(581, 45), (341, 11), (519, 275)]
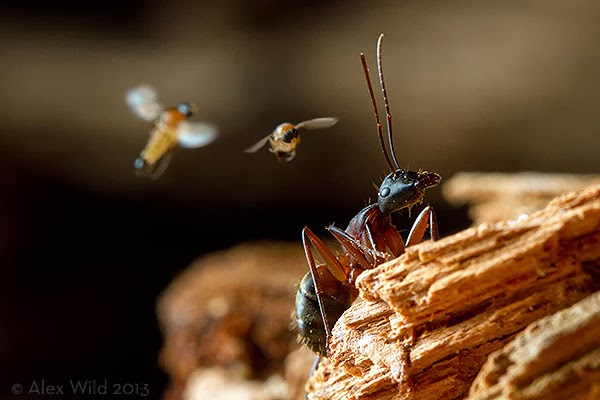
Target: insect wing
[(191, 135), (152, 171), (161, 165), (256, 146), (318, 123), (143, 101)]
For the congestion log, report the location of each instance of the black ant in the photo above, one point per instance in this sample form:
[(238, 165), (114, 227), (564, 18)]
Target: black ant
[(327, 290)]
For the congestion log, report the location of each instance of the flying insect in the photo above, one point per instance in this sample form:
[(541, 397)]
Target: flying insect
[(285, 138), (169, 127)]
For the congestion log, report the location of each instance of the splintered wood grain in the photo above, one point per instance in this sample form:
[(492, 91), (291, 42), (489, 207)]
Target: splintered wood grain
[(494, 197), (376, 384), (557, 357), (431, 317)]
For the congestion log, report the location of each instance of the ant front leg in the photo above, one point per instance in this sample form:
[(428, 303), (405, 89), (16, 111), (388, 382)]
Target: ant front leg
[(394, 241), (365, 256), (425, 218), (332, 296)]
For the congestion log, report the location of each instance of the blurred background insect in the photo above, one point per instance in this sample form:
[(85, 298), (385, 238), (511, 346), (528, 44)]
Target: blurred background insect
[(328, 289), (170, 127), (285, 138)]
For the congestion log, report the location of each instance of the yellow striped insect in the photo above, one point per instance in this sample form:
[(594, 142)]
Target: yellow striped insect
[(285, 138), (170, 127)]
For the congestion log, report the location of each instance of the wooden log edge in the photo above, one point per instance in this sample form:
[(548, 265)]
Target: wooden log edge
[(430, 319)]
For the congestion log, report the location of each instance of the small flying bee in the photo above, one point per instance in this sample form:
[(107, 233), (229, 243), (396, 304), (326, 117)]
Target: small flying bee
[(285, 138), (170, 126)]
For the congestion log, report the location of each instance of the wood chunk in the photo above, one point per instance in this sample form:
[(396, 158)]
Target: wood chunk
[(495, 197), (231, 310), (330, 382), (219, 384), (557, 357), (298, 366), (431, 317)]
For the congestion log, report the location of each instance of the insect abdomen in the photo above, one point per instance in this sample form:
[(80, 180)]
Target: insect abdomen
[(311, 330), (290, 135), (160, 142)]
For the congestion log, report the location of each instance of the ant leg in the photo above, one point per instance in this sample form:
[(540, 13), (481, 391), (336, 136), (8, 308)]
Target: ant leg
[(391, 239), (315, 365), (433, 226), (352, 246), (426, 218), (394, 241), (369, 236), (367, 255), (333, 264), (327, 279), (312, 371)]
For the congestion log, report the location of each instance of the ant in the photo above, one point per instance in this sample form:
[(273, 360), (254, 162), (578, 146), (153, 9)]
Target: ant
[(327, 290)]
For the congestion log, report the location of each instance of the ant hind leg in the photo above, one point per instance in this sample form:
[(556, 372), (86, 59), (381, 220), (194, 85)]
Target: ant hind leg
[(328, 281)]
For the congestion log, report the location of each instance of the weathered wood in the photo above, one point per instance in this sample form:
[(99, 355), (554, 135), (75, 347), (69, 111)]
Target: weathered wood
[(495, 197), (219, 384), (557, 357), (431, 317), (230, 312)]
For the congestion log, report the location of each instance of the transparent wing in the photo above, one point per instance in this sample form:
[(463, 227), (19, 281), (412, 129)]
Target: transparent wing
[(143, 101), (160, 166), (191, 135), (318, 123), (152, 171), (256, 146)]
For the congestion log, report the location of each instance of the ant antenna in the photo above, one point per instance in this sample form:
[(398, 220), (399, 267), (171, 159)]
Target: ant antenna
[(385, 99), (379, 126)]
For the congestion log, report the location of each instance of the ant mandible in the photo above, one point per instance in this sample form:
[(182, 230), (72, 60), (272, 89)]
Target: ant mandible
[(327, 290)]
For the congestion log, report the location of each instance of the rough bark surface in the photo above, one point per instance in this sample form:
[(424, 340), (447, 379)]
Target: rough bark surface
[(430, 318), (228, 314), (557, 357), (495, 197)]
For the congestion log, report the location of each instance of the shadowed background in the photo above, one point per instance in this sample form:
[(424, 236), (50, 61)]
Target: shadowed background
[(85, 246)]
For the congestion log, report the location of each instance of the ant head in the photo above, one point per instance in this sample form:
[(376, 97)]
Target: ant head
[(403, 189), (400, 189)]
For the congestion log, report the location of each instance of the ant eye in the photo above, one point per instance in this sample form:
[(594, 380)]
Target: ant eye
[(385, 191)]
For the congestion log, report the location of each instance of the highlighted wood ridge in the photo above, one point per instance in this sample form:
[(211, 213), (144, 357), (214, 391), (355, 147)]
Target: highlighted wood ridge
[(557, 357), (495, 197), (431, 317)]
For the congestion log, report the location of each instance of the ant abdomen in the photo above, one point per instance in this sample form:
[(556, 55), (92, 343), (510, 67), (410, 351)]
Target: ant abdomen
[(309, 318)]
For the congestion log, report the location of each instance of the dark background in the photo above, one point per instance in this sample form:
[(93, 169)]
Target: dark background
[(86, 247)]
